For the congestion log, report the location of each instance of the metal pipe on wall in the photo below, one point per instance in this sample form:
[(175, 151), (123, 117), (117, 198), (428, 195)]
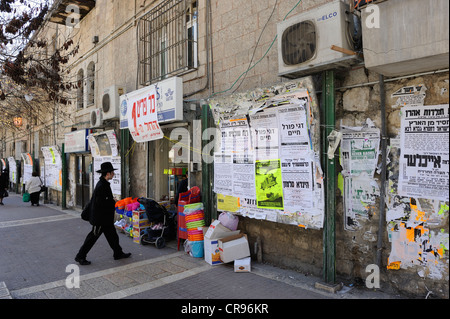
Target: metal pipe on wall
[(383, 171), (329, 231)]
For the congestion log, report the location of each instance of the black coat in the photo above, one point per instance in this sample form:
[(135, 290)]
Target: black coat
[(4, 181), (102, 204)]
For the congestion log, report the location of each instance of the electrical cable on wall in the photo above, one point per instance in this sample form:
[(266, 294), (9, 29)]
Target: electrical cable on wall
[(265, 54)]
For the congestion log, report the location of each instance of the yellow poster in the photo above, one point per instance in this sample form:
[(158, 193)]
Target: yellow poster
[(269, 186), (227, 203)]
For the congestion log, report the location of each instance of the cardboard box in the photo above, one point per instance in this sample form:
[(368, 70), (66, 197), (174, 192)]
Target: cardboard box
[(211, 247), (233, 247), (137, 234), (138, 219), (242, 265), (217, 230)]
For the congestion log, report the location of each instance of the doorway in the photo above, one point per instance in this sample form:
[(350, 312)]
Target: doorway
[(82, 173)]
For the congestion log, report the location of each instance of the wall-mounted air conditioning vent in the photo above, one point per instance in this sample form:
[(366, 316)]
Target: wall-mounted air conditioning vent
[(96, 118), (305, 41), (111, 102)]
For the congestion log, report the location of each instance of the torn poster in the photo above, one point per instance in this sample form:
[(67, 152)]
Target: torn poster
[(414, 242), (424, 159), (410, 96), (269, 185), (359, 156), (360, 194), (360, 149)]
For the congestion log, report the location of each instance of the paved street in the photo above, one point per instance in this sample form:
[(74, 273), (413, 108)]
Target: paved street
[(37, 244)]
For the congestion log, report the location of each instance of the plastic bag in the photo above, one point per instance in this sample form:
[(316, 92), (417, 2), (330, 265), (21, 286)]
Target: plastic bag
[(229, 220), (26, 197)]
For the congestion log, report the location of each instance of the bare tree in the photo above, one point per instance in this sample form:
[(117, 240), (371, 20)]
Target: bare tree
[(32, 70)]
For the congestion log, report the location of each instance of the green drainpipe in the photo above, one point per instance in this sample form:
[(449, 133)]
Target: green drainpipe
[(64, 177), (207, 172)]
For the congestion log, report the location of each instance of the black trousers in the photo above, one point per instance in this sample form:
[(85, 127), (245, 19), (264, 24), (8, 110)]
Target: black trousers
[(34, 198), (110, 234)]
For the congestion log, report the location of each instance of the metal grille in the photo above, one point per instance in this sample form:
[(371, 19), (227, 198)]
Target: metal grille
[(167, 40)]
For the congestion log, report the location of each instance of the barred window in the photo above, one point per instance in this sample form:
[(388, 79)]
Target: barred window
[(168, 37)]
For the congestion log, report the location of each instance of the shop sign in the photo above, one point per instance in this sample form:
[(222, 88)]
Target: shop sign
[(75, 142), (169, 102), (143, 117)]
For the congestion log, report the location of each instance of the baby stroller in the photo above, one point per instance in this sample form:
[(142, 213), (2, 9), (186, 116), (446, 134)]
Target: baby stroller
[(164, 224)]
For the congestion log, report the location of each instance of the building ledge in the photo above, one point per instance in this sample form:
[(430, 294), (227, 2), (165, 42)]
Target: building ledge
[(62, 10)]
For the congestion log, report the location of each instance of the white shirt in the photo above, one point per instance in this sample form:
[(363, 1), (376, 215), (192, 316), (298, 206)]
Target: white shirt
[(33, 185)]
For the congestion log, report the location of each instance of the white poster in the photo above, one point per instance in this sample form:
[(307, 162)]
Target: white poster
[(115, 182), (27, 167), (424, 159), (236, 136), (265, 134), (12, 170), (244, 176), (52, 167), (298, 184), (223, 173), (293, 127), (359, 150)]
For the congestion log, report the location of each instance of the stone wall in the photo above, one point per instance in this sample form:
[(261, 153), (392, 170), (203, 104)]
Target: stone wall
[(300, 249)]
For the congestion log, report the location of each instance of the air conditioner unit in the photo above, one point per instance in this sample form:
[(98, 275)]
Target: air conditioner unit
[(111, 102), (305, 41), (96, 118)]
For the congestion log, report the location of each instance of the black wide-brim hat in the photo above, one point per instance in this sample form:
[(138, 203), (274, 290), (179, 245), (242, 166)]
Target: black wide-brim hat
[(106, 168)]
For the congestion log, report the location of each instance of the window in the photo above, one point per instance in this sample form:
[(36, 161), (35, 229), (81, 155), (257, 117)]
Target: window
[(80, 90), (91, 84), (168, 37)]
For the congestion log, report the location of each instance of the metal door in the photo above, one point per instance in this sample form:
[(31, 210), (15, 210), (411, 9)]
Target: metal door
[(82, 164)]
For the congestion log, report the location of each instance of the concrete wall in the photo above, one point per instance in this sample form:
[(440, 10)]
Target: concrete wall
[(408, 34)]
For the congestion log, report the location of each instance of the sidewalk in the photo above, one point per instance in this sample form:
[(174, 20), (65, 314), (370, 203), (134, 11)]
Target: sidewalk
[(39, 243)]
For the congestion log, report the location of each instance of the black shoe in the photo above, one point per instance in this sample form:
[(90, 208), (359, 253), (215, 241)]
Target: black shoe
[(82, 261), (2, 204), (122, 256)]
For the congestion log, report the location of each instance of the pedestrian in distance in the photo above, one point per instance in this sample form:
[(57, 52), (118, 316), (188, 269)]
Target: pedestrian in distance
[(33, 187), (102, 217), (182, 187), (3, 185)]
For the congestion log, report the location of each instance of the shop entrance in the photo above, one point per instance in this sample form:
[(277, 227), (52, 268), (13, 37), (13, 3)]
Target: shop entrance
[(82, 193)]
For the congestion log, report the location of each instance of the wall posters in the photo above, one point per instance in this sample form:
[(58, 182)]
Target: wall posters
[(105, 148), (424, 159), (269, 185), (27, 167), (52, 167), (267, 162), (115, 182), (12, 170), (359, 156)]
